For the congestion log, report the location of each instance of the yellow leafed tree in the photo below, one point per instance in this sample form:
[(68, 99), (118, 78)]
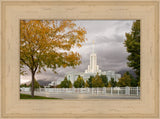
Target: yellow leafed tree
[(47, 44)]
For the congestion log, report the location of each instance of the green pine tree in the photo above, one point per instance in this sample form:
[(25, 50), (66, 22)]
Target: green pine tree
[(97, 81), (66, 83), (112, 82), (132, 43), (127, 80), (89, 81), (105, 80), (79, 83)]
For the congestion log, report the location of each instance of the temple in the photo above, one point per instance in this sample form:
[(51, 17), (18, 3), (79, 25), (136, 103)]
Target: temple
[(92, 70)]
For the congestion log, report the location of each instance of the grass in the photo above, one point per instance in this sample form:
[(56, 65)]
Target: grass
[(26, 96)]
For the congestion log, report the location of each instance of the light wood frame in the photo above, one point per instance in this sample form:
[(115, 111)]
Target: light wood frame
[(145, 10)]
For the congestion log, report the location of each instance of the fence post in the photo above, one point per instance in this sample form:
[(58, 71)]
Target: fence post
[(127, 90), (73, 90), (87, 90), (92, 90), (104, 88), (137, 90), (118, 90), (111, 91), (97, 91), (45, 89)]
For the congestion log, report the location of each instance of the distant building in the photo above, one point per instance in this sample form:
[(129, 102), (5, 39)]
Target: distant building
[(55, 83), (72, 76), (92, 70)]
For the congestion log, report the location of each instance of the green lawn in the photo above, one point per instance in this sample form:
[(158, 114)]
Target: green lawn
[(25, 96)]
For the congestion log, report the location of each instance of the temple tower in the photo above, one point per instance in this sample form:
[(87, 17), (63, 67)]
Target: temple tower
[(93, 67)]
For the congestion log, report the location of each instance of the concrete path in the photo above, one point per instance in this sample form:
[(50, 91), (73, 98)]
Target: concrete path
[(82, 96)]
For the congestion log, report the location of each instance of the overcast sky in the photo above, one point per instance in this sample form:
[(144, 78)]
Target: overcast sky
[(109, 36)]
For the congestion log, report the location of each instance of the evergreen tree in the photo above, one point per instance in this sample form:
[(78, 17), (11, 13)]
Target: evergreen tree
[(66, 83), (132, 43), (97, 81), (112, 82), (86, 84), (23, 85), (127, 80), (105, 80), (89, 81), (79, 83), (109, 84)]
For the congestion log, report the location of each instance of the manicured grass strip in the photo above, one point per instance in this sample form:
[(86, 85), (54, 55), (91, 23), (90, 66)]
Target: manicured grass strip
[(26, 96)]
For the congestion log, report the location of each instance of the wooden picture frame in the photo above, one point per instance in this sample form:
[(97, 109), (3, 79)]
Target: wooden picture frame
[(13, 10)]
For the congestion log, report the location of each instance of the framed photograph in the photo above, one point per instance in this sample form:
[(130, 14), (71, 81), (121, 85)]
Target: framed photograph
[(79, 59)]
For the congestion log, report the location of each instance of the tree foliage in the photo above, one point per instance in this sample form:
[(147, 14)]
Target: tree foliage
[(36, 84), (132, 43), (79, 83), (24, 85), (66, 83), (89, 82), (109, 85), (97, 81), (127, 80), (105, 80), (112, 83), (47, 44)]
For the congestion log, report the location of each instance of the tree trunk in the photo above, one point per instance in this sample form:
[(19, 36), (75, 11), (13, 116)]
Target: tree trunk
[(32, 88)]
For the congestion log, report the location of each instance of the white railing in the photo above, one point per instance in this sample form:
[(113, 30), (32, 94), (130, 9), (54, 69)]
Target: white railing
[(100, 91)]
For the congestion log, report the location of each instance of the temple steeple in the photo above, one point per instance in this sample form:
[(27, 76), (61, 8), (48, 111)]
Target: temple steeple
[(93, 46), (93, 67)]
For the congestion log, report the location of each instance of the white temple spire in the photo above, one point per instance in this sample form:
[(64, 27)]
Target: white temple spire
[(93, 46), (93, 67)]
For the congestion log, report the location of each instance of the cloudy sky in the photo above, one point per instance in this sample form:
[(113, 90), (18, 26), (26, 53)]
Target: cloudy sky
[(109, 36)]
